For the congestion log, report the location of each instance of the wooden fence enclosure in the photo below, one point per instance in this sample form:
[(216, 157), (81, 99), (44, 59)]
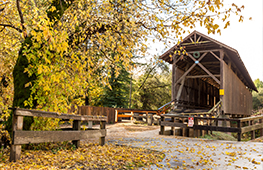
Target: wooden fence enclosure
[(74, 134)]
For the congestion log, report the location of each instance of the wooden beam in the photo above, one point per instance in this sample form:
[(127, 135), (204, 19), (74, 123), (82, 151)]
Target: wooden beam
[(76, 126), (39, 113), (203, 51), (217, 128), (222, 78), (251, 128), (181, 87), (201, 76), (194, 43), (162, 128), (102, 129), (215, 55), (198, 38), (173, 124), (211, 62), (251, 118), (209, 73), (190, 69), (199, 58), (25, 137), (183, 76), (173, 78), (192, 40), (176, 61), (17, 126)]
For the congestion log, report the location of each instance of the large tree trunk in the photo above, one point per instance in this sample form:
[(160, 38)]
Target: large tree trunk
[(22, 93)]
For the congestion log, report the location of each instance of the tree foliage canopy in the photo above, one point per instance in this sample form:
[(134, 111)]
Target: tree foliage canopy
[(258, 97)]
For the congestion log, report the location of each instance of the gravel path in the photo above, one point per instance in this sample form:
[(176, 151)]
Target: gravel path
[(190, 153)]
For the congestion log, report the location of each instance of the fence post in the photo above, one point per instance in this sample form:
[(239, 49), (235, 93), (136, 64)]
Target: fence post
[(90, 123), (102, 139), (76, 126), (195, 130), (17, 124), (162, 127), (172, 128), (239, 133), (150, 119), (261, 130), (116, 116), (207, 131), (253, 131)]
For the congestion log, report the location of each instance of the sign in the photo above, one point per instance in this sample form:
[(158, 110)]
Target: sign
[(221, 92), (190, 121)]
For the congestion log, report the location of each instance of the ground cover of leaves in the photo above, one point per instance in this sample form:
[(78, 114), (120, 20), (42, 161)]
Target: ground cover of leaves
[(88, 156), (189, 153)]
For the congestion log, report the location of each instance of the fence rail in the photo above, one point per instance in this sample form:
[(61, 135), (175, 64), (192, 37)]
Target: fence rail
[(75, 134), (206, 124)]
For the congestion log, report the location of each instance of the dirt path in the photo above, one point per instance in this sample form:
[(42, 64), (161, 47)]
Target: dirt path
[(188, 153)]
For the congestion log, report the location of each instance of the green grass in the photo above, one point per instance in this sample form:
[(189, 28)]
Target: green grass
[(219, 136)]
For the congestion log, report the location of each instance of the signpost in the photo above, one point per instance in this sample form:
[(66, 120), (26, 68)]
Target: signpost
[(190, 121)]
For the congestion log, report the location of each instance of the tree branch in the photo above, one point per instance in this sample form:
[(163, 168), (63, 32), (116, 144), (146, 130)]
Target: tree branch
[(21, 17), (11, 26), (147, 76)]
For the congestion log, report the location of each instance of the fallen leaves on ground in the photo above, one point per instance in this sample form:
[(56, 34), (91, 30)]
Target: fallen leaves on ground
[(88, 156), (188, 153)]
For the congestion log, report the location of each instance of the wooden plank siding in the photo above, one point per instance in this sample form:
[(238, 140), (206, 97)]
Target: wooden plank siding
[(102, 111), (237, 98)]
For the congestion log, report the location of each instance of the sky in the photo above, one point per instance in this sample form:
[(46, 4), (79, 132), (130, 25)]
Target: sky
[(246, 37)]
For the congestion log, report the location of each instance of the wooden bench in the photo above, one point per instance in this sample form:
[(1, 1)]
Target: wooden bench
[(20, 137)]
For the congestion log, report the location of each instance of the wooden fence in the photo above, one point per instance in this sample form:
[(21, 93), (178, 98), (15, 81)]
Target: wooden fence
[(102, 111), (112, 113), (203, 125), (133, 113), (75, 134)]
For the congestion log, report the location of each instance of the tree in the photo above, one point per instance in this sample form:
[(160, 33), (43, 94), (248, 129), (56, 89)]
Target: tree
[(59, 44), (258, 97), (153, 87), (117, 93)]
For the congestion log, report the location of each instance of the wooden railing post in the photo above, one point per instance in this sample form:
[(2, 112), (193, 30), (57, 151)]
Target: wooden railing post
[(239, 133), (116, 116), (261, 130), (17, 124), (195, 130), (162, 127), (90, 123), (131, 116), (253, 131), (150, 119), (102, 139), (207, 124), (172, 128), (76, 126)]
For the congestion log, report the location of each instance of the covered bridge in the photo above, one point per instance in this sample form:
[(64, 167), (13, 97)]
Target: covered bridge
[(206, 71)]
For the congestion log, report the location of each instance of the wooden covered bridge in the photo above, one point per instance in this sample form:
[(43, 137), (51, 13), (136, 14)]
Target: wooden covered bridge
[(208, 73)]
